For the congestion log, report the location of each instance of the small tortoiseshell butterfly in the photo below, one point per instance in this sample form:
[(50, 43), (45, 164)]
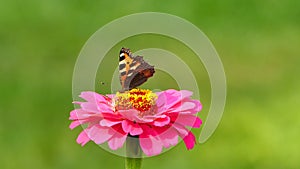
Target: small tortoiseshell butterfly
[(134, 71)]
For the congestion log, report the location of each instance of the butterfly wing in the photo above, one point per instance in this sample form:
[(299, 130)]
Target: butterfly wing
[(141, 74), (134, 71), (125, 60)]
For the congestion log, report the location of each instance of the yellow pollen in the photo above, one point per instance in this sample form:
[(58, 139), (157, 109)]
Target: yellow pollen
[(139, 99)]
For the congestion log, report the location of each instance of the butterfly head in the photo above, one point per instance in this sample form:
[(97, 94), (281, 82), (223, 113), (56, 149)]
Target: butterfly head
[(124, 53)]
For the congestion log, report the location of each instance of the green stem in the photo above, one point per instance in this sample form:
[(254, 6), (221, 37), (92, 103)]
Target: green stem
[(133, 153), (133, 163)]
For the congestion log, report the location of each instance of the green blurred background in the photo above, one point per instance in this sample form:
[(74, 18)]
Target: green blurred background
[(258, 42)]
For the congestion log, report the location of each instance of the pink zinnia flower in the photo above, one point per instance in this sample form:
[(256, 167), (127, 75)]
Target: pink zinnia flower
[(156, 119)]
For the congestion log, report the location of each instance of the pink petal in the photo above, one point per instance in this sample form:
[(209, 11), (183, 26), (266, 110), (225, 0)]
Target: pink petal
[(188, 107), (109, 122), (198, 105), (82, 138), (90, 107), (169, 137), (96, 103), (189, 141), (117, 141), (105, 107), (133, 115), (150, 145), (112, 115), (186, 93), (73, 114), (147, 130), (182, 131), (171, 97), (131, 128), (77, 102), (74, 124), (188, 137), (111, 96), (161, 99), (80, 114), (93, 119), (151, 118), (175, 96), (92, 97), (189, 120), (100, 134), (161, 121)]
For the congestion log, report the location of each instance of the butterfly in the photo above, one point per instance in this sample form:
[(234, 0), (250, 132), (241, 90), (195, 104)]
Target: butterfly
[(134, 71)]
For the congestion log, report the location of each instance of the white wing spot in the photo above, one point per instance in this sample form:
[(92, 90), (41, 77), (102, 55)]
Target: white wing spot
[(122, 62)]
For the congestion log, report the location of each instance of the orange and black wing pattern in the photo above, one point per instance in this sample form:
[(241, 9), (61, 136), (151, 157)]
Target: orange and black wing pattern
[(134, 71)]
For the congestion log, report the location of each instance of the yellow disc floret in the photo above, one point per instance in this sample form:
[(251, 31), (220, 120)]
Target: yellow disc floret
[(139, 99)]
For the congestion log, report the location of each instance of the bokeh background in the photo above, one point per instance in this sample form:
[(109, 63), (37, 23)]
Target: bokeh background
[(258, 42)]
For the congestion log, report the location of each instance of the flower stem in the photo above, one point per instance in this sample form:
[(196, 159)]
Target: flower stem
[(133, 153), (133, 163)]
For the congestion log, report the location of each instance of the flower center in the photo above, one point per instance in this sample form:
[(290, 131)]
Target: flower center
[(139, 99)]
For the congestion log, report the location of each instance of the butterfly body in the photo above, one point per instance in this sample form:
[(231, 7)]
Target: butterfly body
[(134, 71)]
